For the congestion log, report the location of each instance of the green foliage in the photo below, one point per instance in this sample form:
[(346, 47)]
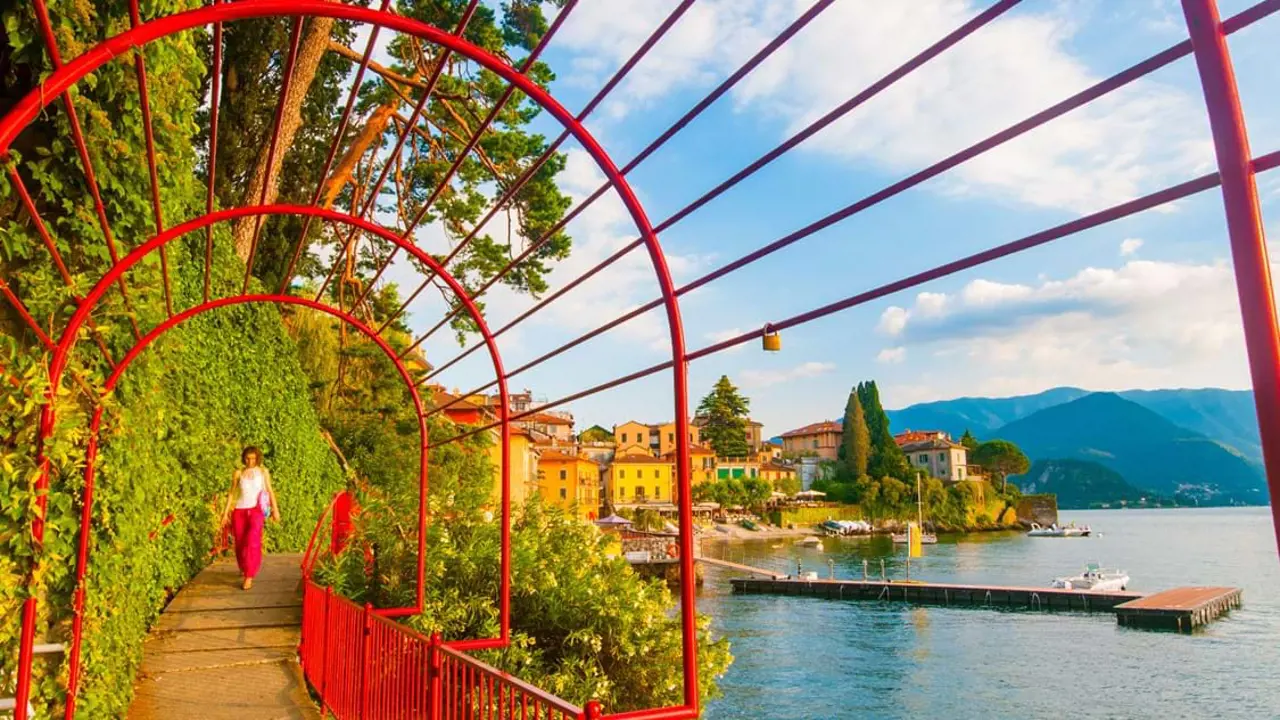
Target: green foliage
[(752, 493), (1001, 457), (969, 441), (855, 439), (724, 412), (595, 433)]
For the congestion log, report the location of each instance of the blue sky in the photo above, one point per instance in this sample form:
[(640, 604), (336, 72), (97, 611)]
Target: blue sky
[(1145, 302)]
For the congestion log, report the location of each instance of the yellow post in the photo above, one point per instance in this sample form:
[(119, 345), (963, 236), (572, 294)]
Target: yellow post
[(913, 540)]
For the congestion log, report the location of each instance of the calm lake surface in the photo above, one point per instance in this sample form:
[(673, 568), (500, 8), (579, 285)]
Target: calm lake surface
[(812, 658)]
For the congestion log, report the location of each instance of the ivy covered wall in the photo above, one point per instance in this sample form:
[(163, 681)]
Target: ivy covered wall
[(183, 411)]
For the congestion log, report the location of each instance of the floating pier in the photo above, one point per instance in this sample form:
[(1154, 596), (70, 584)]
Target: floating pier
[(1181, 609)]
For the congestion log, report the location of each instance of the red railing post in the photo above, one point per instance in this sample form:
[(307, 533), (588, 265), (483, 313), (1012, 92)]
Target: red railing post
[(434, 704), (593, 710), (323, 677), (364, 654)]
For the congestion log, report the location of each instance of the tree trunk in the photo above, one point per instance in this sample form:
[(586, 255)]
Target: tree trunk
[(311, 49), (343, 171)]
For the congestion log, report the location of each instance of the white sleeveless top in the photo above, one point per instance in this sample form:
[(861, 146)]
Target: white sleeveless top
[(252, 483)]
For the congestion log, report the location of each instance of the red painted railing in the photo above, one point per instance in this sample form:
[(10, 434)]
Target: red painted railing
[(366, 667)]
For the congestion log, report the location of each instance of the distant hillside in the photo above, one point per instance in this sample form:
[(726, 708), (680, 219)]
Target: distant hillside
[(1083, 484), (1147, 450), (1223, 415), (979, 414)]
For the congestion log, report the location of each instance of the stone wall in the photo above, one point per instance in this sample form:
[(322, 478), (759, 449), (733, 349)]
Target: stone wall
[(1039, 509)]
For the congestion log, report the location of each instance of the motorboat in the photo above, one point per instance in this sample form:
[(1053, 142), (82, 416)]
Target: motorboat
[(811, 541), (1094, 578), (845, 527), (1056, 530)]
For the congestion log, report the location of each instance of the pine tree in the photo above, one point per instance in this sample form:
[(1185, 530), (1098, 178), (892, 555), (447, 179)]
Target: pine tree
[(855, 441), (724, 411), (969, 441)]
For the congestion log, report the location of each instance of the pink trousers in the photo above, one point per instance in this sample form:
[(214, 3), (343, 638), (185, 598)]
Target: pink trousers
[(246, 528)]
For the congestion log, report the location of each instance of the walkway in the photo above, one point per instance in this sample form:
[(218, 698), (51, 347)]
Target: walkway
[(222, 652)]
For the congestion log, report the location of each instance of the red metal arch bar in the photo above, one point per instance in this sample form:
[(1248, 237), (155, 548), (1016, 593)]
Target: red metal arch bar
[(466, 151), (1244, 229), (26, 109), (295, 39), (529, 172), (333, 149), (965, 30), (95, 427), (77, 135), (43, 231), (140, 69), (1124, 77), (1270, 161), (68, 341), (371, 201), (214, 103), (727, 84)]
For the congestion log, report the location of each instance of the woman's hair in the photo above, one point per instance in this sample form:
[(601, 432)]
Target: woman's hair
[(251, 450)]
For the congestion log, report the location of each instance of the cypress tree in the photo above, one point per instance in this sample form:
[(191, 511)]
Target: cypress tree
[(855, 441)]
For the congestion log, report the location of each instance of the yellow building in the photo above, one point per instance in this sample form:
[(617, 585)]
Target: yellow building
[(524, 467), (702, 465), (569, 481), (638, 478), (776, 473), (631, 438), (666, 435)]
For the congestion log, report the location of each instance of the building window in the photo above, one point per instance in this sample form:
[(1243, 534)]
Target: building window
[(622, 474), (671, 437), (564, 474), (924, 459), (657, 473), (624, 438), (657, 493), (753, 472), (815, 443), (563, 494), (942, 458), (622, 492)]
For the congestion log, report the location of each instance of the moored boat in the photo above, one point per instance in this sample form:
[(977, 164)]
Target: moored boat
[(1056, 530), (811, 541), (1094, 578)]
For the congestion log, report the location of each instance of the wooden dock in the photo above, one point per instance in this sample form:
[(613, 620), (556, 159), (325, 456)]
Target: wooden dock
[(1182, 608), (221, 652), (741, 568)]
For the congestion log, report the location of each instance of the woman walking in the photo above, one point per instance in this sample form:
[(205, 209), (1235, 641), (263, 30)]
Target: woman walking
[(250, 502)]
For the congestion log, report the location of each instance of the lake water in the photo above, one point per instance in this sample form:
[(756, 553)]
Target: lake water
[(812, 658)]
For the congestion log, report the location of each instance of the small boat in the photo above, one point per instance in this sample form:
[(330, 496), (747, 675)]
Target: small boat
[(811, 541), (749, 525), (1058, 531), (1094, 578), (926, 538), (842, 528)]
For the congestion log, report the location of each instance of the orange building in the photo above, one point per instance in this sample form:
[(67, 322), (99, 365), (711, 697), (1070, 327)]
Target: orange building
[(821, 439)]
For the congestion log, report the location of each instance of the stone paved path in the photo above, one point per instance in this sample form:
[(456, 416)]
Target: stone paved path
[(221, 652)]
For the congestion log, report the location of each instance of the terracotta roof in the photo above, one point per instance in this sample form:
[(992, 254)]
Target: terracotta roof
[(640, 460), (777, 468), (548, 419), (931, 444), (814, 429), (911, 436), (552, 454)]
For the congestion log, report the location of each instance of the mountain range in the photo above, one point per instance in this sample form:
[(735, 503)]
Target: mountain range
[(1196, 446)]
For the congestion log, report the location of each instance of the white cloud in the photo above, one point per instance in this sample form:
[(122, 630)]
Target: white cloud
[(1127, 143), (893, 320), (765, 378), (1143, 324), (1129, 246), (722, 335), (892, 356)]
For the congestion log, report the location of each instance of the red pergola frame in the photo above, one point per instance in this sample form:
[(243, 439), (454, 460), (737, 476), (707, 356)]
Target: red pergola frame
[(1236, 175)]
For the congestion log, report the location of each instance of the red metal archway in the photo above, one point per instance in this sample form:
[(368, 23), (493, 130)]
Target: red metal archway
[(1236, 172)]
